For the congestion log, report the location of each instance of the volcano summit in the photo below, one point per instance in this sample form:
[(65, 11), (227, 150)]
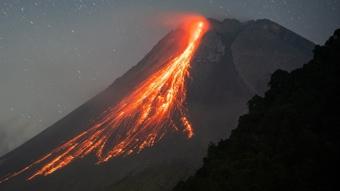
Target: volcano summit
[(195, 82)]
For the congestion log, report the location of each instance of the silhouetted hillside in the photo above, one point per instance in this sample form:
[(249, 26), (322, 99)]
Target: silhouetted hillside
[(289, 140)]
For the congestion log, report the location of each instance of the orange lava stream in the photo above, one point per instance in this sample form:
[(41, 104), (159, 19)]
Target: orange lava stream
[(138, 121)]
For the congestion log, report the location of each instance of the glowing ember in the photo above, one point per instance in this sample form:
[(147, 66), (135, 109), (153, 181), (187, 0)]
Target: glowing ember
[(138, 121)]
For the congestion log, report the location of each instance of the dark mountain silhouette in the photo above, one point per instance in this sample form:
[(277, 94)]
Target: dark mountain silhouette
[(218, 89), (289, 140)]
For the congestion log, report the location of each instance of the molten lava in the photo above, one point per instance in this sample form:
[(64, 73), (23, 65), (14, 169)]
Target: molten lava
[(140, 120)]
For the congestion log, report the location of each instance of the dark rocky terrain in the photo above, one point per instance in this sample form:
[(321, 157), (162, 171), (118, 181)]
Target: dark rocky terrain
[(233, 63)]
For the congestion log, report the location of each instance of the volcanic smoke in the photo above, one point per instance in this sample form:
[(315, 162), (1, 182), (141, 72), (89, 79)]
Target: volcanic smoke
[(139, 120)]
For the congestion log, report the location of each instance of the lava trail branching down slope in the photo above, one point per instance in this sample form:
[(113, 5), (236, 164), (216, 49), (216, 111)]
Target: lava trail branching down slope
[(140, 120)]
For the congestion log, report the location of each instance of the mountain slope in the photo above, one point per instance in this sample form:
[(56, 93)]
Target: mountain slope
[(250, 53), (289, 140), (217, 93)]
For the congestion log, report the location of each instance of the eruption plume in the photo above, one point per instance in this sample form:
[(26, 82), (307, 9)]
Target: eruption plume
[(154, 108)]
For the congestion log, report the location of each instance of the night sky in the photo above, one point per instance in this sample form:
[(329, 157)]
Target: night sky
[(56, 54)]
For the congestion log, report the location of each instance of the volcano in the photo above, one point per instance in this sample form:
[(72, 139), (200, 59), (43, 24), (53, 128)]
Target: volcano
[(151, 127)]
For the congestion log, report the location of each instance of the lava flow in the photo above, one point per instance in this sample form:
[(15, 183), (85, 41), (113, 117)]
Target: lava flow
[(141, 119)]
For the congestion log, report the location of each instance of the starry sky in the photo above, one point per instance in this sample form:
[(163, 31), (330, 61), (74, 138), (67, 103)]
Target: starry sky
[(56, 54)]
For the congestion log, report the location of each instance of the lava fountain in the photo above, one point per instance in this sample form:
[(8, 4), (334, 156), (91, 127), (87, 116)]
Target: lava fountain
[(139, 120)]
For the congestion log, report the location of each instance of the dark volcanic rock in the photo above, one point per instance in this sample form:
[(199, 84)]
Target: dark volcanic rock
[(264, 46)]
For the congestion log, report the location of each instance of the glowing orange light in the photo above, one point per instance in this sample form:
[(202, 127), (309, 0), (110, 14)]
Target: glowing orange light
[(138, 121)]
